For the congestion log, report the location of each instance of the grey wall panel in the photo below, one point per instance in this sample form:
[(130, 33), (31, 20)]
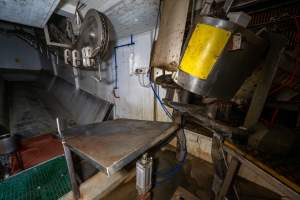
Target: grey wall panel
[(16, 54)]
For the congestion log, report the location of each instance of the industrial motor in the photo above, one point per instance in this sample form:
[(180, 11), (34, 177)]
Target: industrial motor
[(218, 56)]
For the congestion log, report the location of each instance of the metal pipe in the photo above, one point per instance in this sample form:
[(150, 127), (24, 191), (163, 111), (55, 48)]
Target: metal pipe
[(68, 156), (116, 63)]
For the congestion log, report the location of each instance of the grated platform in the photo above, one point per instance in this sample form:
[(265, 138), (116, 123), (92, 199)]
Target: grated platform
[(47, 181)]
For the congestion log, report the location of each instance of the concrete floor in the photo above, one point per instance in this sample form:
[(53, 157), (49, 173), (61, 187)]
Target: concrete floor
[(195, 176)]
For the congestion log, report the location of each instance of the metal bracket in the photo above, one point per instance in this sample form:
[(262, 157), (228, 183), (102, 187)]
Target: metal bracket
[(48, 40)]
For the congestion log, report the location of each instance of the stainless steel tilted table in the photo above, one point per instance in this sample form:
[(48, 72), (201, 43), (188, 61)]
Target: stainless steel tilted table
[(111, 145)]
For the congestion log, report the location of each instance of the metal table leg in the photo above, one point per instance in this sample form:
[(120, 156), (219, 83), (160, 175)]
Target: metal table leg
[(229, 178), (71, 170), (74, 184)]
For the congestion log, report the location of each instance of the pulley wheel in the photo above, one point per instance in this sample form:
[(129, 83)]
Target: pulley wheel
[(94, 32)]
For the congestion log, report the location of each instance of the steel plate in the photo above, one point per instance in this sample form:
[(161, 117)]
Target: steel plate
[(113, 144)]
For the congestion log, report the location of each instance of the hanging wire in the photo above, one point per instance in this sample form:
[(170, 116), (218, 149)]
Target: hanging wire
[(161, 103)]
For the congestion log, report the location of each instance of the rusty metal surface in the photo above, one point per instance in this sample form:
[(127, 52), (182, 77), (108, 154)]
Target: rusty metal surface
[(167, 50), (198, 113), (113, 144)]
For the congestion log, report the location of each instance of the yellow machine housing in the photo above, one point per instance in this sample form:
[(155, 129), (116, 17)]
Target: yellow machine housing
[(214, 63)]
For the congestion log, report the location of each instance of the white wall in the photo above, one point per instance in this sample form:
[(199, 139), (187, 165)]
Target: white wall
[(17, 54), (135, 102)]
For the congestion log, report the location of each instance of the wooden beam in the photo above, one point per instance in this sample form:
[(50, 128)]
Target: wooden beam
[(229, 178), (100, 185), (284, 186), (277, 44)]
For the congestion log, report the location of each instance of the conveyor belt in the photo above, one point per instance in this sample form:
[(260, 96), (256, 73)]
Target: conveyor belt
[(47, 181)]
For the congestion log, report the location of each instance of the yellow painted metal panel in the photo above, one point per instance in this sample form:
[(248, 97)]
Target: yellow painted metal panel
[(205, 46)]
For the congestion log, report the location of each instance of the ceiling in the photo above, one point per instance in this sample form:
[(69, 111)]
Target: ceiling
[(28, 12), (127, 16)]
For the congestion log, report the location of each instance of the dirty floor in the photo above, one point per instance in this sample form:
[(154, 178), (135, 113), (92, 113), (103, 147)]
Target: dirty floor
[(195, 176)]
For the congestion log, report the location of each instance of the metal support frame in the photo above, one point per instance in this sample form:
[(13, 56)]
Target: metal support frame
[(227, 6), (270, 68), (272, 63), (229, 178), (285, 187), (71, 170)]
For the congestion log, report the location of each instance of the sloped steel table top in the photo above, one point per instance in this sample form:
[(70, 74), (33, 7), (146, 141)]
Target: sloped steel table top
[(111, 145)]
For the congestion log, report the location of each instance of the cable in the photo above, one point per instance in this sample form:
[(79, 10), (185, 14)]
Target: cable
[(155, 94), (169, 173), (161, 103), (172, 171)]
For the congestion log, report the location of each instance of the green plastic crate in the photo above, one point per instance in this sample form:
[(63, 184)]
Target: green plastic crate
[(47, 181)]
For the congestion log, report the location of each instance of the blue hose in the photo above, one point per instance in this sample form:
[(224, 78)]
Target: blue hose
[(161, 103)]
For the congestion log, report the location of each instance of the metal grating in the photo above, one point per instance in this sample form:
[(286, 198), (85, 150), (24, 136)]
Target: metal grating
[(46, 181)]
